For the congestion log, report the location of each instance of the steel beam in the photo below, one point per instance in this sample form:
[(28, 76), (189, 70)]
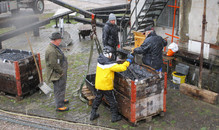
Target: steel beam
[(86, 21), (73, 8)]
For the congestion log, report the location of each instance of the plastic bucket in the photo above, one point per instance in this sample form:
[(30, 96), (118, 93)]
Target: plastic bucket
[(178, 78)]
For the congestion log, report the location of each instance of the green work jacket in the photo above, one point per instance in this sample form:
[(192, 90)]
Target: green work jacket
[(54, 60)]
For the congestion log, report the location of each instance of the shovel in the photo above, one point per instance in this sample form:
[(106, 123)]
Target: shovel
[(43, 86)]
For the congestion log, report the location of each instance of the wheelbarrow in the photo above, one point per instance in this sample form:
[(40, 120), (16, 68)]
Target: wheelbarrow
[(84, 30)]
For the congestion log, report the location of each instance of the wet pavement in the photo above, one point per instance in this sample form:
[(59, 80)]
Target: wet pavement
[(183, 112)]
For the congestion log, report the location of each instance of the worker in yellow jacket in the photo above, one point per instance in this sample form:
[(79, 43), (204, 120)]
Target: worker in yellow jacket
[(104, 82)]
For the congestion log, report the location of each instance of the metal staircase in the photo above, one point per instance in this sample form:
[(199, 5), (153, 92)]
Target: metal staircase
[(147, 16)]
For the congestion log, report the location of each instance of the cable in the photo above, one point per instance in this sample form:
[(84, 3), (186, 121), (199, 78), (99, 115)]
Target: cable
[(50, 119), (28, 123), (99, 49)]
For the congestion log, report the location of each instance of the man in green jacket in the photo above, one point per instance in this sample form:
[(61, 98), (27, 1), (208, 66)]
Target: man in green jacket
[(56, 70)]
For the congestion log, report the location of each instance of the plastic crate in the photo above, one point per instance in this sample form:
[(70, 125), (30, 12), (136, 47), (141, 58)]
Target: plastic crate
[(139, 38)]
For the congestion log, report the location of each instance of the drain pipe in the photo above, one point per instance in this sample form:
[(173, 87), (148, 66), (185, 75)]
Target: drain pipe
[(202, 46)]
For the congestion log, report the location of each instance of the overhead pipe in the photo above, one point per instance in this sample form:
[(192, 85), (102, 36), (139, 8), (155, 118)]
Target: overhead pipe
[(73, 8)]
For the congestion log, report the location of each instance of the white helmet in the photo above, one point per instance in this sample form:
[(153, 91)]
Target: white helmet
[(108, 51)]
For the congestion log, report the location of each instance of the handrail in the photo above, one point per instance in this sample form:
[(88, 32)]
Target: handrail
[(133, 24), (137, 16), (145, 14), (162, 10), (132, 12), (126, 25)]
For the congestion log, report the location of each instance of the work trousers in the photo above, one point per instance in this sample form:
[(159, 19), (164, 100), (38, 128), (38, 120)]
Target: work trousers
[(115, 53), (110, 97), (60, 86)]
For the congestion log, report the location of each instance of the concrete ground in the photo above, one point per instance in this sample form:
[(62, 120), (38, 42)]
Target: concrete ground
[(183, 112)]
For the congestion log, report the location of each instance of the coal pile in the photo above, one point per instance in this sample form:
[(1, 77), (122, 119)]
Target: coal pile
[(139, 72), (13, 56)]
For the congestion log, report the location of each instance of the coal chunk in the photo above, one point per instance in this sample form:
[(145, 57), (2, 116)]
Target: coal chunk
[(141, 72), (13, 56)]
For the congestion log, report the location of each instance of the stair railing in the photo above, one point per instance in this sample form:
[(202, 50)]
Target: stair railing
[(126, 26)]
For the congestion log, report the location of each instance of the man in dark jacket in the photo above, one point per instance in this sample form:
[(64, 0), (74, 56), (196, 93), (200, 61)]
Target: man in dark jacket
[(110, 33), (56, 70), (152, 49)]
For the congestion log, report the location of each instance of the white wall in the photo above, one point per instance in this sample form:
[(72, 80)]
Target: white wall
[(212, 18), (139, 6)]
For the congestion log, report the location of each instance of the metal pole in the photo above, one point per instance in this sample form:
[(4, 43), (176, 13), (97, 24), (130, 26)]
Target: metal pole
[(174, 15), (68, 22), (202, 46), (0, 44), (56, 24), (136, 15), (72, 8)]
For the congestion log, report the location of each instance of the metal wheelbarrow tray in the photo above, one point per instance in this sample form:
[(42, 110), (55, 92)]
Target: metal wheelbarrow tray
[(84, 30)]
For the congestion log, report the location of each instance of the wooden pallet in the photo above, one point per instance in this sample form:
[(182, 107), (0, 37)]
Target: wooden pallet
[(146, 119), (138, 121), (88, 95)]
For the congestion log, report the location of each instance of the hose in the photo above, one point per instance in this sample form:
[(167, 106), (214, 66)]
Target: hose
[(94, 38), (79, 90)]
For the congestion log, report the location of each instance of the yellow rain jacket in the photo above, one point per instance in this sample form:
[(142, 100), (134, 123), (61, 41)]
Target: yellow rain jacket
[(105, 72)]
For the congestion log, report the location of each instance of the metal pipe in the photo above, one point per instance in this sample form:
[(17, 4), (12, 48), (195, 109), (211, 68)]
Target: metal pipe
[(73, 8), (86, 21), (136, 15), (177, 18), (18, 78), (174, 20), (202, 46), (123, 6), (165, 92)]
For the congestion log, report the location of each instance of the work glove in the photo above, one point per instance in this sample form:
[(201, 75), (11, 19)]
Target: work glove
[(132, 52), (130, 58)]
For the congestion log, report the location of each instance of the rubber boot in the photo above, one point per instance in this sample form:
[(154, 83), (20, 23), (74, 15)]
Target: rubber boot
[(94, 115), (66, 101), (116, 117), (62, 109)]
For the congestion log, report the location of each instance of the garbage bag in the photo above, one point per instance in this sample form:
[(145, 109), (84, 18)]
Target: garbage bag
[(172, 48)]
